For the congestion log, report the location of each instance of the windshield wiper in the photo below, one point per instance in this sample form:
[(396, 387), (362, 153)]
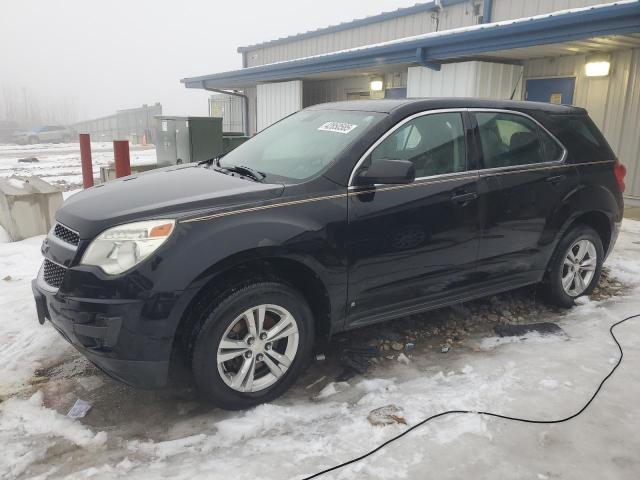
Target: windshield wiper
[(245, 171), (241, 169)]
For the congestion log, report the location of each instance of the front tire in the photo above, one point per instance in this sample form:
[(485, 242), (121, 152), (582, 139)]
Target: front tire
[(575, 269), (253, 345)]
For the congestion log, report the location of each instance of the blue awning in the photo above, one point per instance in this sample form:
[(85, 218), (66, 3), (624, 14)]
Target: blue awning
[(433, 48)]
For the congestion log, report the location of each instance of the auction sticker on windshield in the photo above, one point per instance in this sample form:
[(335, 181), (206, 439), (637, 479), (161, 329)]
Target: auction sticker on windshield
[(337, 127)]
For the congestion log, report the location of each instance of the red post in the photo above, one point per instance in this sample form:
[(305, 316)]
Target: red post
[(121, 154), (85, 160)]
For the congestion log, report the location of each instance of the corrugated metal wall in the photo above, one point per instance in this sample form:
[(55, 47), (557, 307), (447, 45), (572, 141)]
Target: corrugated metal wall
[(458, 15), (277, 100), (453, 80), (230, 108), (613, 102), (395, 79), (252, 95), (509, 9), (498, 80), (466, 79), (132, 124), (451, 17), (336, 90)]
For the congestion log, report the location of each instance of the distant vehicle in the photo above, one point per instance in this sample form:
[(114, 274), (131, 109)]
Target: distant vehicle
[(339, 216), (46, 134)]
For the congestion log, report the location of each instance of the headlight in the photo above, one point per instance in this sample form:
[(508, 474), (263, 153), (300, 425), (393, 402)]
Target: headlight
[(120, 248)]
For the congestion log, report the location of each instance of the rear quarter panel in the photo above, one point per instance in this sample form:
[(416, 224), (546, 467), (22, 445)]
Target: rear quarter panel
[(599, 189)]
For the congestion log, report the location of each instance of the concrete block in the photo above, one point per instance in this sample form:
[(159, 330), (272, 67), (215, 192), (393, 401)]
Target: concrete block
[(28, 206)]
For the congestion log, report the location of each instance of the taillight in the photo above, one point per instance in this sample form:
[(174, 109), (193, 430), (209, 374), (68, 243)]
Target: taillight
[(619, 170)]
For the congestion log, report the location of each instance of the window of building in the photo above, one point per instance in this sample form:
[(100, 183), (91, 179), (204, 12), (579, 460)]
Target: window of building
[(510, 140), (434, 143)]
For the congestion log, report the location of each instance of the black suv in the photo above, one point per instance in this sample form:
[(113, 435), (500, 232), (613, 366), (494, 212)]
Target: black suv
[(336, 217)]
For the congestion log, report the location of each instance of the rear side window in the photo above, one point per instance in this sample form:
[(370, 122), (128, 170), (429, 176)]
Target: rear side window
[(582, 138), (509, 140), (434, 143)]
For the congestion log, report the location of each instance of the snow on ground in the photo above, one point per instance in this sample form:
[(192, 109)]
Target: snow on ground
[(23, 346), (59, 163), (4, 235), (170, 433)]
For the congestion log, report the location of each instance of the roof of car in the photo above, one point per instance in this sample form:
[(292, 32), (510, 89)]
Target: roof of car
[(388, 106)]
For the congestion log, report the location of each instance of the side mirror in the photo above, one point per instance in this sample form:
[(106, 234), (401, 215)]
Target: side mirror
[(387, 171)]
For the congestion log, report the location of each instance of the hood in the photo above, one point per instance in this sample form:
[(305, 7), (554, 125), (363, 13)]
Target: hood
[(168, 192)]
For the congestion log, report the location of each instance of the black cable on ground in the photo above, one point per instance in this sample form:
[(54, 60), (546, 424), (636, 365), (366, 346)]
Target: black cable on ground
[(487, 414)]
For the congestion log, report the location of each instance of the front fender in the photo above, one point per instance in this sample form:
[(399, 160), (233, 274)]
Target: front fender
[(216, 245), (312, 234)]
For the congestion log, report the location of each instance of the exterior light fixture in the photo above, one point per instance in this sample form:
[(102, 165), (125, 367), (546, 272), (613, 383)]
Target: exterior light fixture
[(597, 66), (376, 85)]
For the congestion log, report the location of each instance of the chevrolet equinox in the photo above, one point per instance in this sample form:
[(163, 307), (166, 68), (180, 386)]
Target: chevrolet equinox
[(337, 217)]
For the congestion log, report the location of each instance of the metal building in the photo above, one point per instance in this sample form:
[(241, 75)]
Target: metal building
[(230, 109), (581, 52), (134, 124)]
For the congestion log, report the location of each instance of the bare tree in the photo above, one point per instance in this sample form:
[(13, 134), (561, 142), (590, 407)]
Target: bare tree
[(23, 106)]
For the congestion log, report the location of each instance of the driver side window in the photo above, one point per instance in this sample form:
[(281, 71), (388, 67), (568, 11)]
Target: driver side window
[(434, 143)]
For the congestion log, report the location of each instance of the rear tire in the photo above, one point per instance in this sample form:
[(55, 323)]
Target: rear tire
[(253, 345), (575, 268)]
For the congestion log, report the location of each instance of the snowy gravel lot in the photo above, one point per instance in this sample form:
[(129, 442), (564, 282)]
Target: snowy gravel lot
[(169, 433), (323, 421), (59, 163)]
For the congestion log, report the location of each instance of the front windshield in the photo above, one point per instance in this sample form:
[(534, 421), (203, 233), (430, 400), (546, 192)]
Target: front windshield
[(303, 144)]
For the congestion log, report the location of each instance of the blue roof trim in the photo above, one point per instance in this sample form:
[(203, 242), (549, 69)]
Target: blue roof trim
[(359, 22), (619, 18)]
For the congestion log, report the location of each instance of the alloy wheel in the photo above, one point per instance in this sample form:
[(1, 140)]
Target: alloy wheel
[(258, 348), (579, 267)]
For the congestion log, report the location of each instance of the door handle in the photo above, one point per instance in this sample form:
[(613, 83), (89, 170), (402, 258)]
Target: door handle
[(463, 198), (557, 179)]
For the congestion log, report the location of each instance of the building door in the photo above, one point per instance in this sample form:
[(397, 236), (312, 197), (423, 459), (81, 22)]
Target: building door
[(551, 90), (396, 92)]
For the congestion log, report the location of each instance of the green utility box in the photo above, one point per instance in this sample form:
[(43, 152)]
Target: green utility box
[(192, 139), (232, 140)]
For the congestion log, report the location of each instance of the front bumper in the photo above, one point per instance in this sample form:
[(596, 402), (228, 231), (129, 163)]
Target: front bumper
[(102, 330)]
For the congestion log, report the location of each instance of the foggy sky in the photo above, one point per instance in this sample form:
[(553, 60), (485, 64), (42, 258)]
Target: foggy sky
[(114, 54)]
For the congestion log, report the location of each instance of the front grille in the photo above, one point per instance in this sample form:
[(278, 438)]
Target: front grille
[(66, 234), (53, 273)]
